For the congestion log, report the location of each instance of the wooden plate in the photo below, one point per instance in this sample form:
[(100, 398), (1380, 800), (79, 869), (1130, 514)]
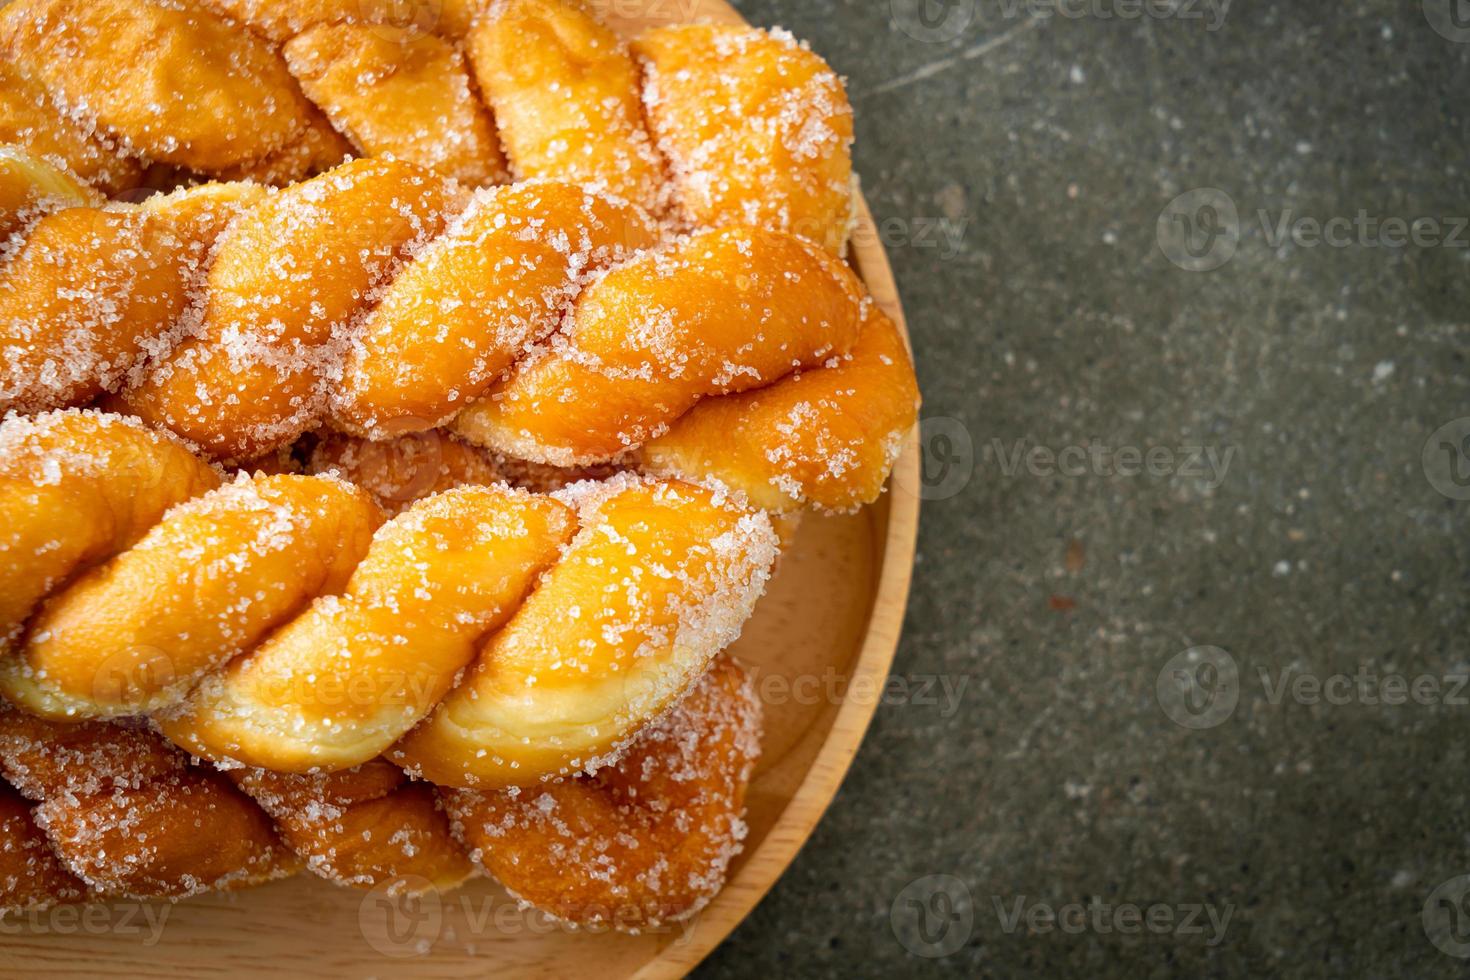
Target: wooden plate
[(821, 643)]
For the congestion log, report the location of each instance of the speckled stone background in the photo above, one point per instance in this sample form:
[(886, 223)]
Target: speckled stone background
[(1021, 155)]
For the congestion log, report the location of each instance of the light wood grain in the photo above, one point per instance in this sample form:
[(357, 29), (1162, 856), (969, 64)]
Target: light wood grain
[(821, 642)]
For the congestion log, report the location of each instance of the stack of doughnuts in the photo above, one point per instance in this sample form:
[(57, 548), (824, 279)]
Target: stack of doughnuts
[(401, 416)]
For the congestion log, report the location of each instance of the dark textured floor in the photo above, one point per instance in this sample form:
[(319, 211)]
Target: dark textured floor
[(1025, 163)]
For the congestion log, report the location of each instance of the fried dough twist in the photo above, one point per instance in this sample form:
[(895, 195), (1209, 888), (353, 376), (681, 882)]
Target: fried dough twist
[(483, 637), (543, 320)]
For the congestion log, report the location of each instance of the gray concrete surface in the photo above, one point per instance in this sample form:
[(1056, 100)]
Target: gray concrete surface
[(1086, 606)]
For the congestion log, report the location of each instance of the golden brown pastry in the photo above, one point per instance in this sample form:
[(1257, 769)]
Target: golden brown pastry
[(756, 128), (564, 90), (642, 842), (399, 92), (399, 471), (285, 281), (361, 827), (30, 188), (128, 815), (474, 300), (172, 83), (824, 438), (90, 291), (261, 626), (32, 877), (29, 121), (715, 313)]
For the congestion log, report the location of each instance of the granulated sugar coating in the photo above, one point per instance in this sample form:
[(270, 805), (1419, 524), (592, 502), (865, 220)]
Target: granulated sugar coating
[(711, 314), (824, 438), (564, 90), (642, 842), (117, 64), (362, 826), (77, 487), (756, 128), (90, 292), (204, 585), (659, 578), (286, 281), (127, 814), (372, 616), (397, 91), (32, 877)]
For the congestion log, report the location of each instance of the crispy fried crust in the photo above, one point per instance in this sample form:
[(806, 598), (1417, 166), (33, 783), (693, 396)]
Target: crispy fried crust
[(717, 312), (176, 84), (28, 120), (30, 187), (658, 580), (31, 875), (826, 437), (205, 584), (118, 480), (91, 291), (129, 816), (361, 827), (400, 92), (756, 128), (399, 471), (643, 842), (472, 302), (564, 90), (247, 380)]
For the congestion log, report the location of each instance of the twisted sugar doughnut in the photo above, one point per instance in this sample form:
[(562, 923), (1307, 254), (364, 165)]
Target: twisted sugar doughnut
[(127, 815), (715, 313), (393, 90), (824, 438), (247, 378), (274, 347), (90, 291), (31, 875), (204, 618), (755, 128), (657, 829), (511, 262), (169, 83), (77, 488), (363, 826), (642, 842), (565, 91)]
